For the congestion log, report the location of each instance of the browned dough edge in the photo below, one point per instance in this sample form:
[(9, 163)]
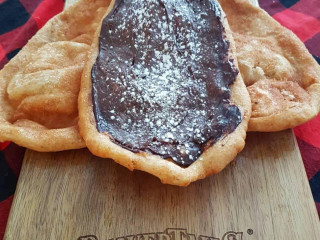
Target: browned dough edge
[(27, 133), (299, 114), (213, 160)]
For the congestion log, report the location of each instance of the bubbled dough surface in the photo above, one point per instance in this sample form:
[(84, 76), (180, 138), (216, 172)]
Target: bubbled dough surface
[(282, 77), (39, 87)]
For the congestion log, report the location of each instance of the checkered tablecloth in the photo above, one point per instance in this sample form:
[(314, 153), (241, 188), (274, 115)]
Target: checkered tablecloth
[(303, 18), (20, 20)]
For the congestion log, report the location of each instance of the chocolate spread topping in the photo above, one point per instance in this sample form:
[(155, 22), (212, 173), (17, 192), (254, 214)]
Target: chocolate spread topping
[(161, 80)]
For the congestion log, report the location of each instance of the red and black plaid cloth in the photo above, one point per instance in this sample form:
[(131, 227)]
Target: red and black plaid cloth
[(20, 20)]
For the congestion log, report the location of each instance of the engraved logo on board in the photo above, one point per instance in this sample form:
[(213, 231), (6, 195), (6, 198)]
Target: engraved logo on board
[(173, 234)]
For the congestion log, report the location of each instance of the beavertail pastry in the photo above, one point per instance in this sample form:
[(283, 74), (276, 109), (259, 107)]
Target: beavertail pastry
[(161, 92), (282, 77), (39, 87)]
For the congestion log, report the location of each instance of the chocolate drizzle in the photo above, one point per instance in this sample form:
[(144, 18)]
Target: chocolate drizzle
[(161, 79)]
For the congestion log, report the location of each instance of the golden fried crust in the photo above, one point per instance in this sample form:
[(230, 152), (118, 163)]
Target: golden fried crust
[(39, 87), (282, 78), (211, 161)]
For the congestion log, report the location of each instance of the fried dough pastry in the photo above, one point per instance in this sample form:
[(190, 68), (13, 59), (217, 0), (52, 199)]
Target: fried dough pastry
[(161, 92), (39, 87), (281, 76)]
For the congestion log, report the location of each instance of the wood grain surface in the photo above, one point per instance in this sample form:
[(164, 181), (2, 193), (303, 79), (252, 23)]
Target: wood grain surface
[(71, 194), (263, 194)]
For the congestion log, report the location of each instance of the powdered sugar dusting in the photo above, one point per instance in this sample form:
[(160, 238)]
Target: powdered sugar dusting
[(157, 57)]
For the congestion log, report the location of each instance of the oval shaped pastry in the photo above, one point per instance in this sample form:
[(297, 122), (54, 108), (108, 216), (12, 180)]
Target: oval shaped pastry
[(161, 90)]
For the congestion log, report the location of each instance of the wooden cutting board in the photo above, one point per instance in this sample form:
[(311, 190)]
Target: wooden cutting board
[(263, 194)]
